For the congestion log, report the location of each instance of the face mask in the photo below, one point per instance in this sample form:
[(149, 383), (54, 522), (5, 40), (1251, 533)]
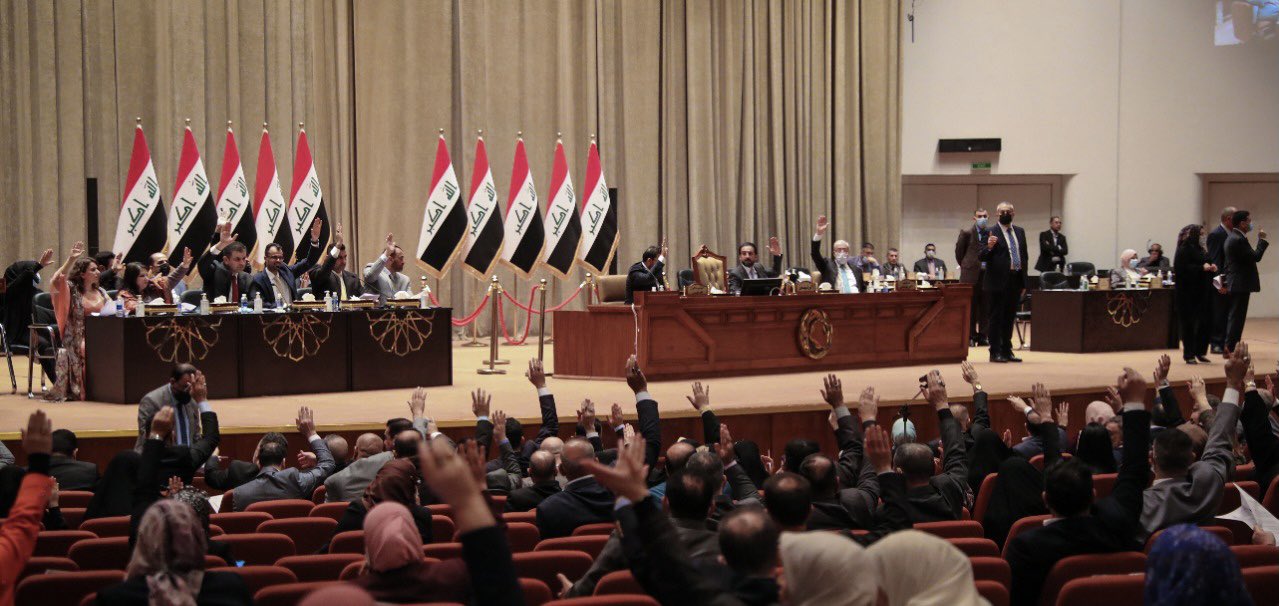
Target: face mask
[(1132, 263), (182, 397), (1005, 219), (981, 222), (930, 253), (841, 258)]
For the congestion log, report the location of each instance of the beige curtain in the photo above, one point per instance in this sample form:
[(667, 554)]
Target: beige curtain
[(718, 120)]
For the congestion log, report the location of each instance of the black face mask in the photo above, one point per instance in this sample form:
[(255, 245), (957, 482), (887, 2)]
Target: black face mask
[(182, 397), (1005, 219)]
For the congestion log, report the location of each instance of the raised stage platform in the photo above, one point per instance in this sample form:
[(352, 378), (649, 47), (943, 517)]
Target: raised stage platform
[(768, 409)]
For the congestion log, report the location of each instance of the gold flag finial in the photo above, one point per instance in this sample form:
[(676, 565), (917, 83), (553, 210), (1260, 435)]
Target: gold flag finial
[(441, 132), (188, 123), (228, 125), (264, 126), (139, 120), (301, 126), (479, 132), (592, 136), (559, 135), (519, 134)]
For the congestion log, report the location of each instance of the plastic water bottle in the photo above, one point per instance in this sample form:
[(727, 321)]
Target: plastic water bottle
[(257, 303), (141, 310), (244, 302), (204, 304)]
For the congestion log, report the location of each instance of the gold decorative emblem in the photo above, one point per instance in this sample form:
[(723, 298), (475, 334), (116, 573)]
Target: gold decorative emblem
[(295, 336), (183, 340), (815, 334), (1126, 309), (401, 333), (696, 290)]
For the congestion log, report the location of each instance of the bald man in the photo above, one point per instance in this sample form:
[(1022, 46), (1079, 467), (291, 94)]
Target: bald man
[(541, 471), (583, 500), (349, 484)]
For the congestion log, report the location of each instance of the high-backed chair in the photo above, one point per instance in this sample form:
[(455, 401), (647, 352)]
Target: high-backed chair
[(192, 296), (260, 577), (1081, 268), (1053, 280), (612, 289), (710, 269), (65, 589), (1089, 565)]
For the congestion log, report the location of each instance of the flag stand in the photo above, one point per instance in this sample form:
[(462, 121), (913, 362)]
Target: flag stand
[(541, 324), (475, 332), (494, 290)]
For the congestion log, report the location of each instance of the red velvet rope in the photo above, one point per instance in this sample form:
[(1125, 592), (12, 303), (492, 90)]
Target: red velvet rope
[(475, 314), (530, 309), (528, 321)]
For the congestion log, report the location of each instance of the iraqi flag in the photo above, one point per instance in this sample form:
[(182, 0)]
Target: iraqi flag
[(522, 248), (234, 203), (444, 222), (268, 202), (563, 230), (140, 231), (192, 216), (599, 216), (306, 200), (484, 218)]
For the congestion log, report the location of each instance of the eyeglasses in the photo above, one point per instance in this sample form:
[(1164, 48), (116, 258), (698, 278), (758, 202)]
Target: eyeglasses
[(275, 257)]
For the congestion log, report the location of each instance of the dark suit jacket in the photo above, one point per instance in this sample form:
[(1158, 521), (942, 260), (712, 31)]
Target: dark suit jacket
[(72, 474), (323, 278), (262, 281), (217, 278), (968, 252), (640, 278), (21, 288), (1216, 243), (583, 501), (1048, 250), (999, 274), (1112, 525), (217, 589), (944, 496), (1188, 265), (828, 268), (236, 473), (737, 274), (1241, 263), (529, 497), (921, 266)]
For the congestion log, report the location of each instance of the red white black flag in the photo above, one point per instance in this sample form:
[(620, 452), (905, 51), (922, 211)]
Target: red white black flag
[(563, 231), (269, 208), (192, 216), (140, 231), (599, 217), (525, 234), (484, 225), (306, 200), (444, 221), (234, 203)]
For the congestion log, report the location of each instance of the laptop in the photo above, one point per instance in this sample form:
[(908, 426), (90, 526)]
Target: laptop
[(760, 286)]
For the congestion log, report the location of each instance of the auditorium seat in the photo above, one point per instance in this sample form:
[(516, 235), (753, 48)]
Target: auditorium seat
[(57, 543), (259, 548), (212, 561), (288, 594), (283, 508), (74, 498), (317, 496), (992, 569), (591, 544), (322, 567), (1038, 460), (994, 593), (239, 522), (355, 569), (350, 541), (983, 496), (333, 511), (521, 536), (498, 502), (64, 589), (111, 553), (42, 564), (442, 551), (215, 530), (598, 528), (257, 577), (1083, 566), (440, 509), (544, 565), (1230, 499), (73, 516), (1021, 526), (1251, 556), (976, 547), (606, 600), (952, 529), (520, 516), (1104, 483), (308, 534), (1109, 589), (1263, 583), (535, 592), (620, 581), (227, 504), (1224, 534), (1247, 471), (611, 288), (114, 526), (442, 529), (1271, 500)]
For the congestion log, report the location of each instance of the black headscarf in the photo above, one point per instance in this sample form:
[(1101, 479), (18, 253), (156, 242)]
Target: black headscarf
[(1095, 450), (113, 495), (748, 457), (1018, 493), (10, 483), (987, 453)]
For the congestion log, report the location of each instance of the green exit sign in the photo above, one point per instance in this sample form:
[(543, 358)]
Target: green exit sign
[(981, 165)]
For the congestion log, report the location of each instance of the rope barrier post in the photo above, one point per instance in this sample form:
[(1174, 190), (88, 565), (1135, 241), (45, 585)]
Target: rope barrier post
[(541, 320), (494, 328), (590, 289), (491, 370)]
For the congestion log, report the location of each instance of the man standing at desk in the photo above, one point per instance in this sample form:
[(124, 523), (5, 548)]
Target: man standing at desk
[(748, 268), (1220, 298), (1005, 279), (968, 256), (1052, 248), (838, 270), (1241, 273), (647, 274)]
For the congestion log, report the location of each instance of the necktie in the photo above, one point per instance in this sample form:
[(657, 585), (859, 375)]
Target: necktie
[(235, 288), (180, 418), (1012, 248), (342, 286), (750, 272), (846, 276)]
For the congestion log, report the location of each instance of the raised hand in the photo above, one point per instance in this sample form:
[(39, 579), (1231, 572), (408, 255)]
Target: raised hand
[(1007, 438), (175, 486), (473, 454), (480, 401), (625, 478), (46, 257), (615, 418), (1042, 400), (1270, 384), (450, 475), (665, 249), (970, 373), (936, 390), (417, 403), (225, 237), (37, 438), (1161, 369), (701, 398), (1132, 388), (1237, 366), (634, 376), (162, 422), (337, 233), (535, 374), (822, 225), (1063, 413), (770, 467), (1018, 404), (1112, 398), (774, 246), (586, 415), (199, 388), (316, 226), (879, 449), (991, 241), (77, 249), (499, 426), (187, 258), (57, 491), (724, 448), (1198, 392), (305, 422), (833, 391), (306, 460), (868, 405), (390, 245), (1261, 234)]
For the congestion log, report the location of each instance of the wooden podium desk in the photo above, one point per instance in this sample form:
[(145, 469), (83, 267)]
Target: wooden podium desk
[(698, 337), (1102, 320)]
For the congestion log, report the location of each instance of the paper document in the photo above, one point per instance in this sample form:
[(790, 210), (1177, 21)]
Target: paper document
[(1254, 514)]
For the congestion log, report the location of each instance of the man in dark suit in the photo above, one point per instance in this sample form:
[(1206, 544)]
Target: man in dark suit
[(277, 282), (332, 276), (222, 266), (1052, 248), (647, 274), (176, 394), (748, 267), (1004, 281), (541, 471), (838, 269), (968, 256), (930, 265), (1080, 526), (63, 466), (935, 498), (21, 283), (1216, 242), (583, 500), (1241, 273)]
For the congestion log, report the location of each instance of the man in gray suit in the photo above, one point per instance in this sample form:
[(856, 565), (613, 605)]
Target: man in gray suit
[(968, 248), (1186, 491), (349, 484), (386, 275), (175, 394), (275, 482)]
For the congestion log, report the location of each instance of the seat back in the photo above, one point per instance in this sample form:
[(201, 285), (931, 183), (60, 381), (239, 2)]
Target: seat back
[(952, 529), (442, 551), (709, 269), (114, 526), (257, 577), (1251, 556), (1081, 268), (318, 495), (259, 548), (442, 529), (1053, 280), (111, 553), (982, 503), (1038, 460), (994, 593), (322, 567), (591, 544), (544, 565), (1222, 533), (74, 498), (1104, 483), (1108, 589), (42, 564), (618, 581), (440, 509), (1263, 583), (283, 508), (64, 589), (333, 511), (289, 594), (612, 289), (522, 536), (1271, 500), (1021, 526), (192, 296), (1247, 471), (995, 569), (57, 543), (239, 522), (1230, 499), (535, 592), (511, 517), (308, 534), (351, 541), (597, 528), (975, 547), (1090, 565), (73, 516)]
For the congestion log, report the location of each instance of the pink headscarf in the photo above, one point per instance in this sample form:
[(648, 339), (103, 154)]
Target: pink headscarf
[(391, 539)]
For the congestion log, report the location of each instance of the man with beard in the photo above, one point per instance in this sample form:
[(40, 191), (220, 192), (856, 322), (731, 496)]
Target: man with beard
[(748, 267), (176, 394)]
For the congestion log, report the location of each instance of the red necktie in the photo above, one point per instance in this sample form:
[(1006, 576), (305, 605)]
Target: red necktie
[(235, 288)]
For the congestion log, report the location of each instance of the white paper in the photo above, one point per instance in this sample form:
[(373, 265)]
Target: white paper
[(216, 502), (1253, 514)]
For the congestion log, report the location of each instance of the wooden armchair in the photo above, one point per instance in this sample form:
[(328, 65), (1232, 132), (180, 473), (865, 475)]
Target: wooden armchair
[(710, 269)]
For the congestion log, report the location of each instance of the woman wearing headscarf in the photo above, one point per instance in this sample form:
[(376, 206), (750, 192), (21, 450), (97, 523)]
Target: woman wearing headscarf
[(985, 456), (820, 569), (918, 569), (167, 567), (113, 494), (393, 567), (1017, 493), (396, 482), (1194, 271), (1095, 449), (1189, 566), (1126, 272)]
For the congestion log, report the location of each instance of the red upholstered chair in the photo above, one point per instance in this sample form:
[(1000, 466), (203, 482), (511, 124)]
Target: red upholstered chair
[(350, 541), (227, 504), (442, 551), (606, 600), (956, 529), (535, 592), (599, 528), (1021, 526), (308, 534), (499, 503), (288, 594), (440, 509), (1230, 500), (1084, 566), (1109, 589), (994, 593), (1038, 460), (199, 482), (212, 561), (257, 577), (239, 522), (1104, 483), (283, 508), (992, 569), (323, 567), (1240, 531), (1222, 533), (442, 528), (620, 581), (57, 543), (41, 565), (64, 589), (111, 553), (1271, 500), (976, 548), (592, 544), (317, 496), (1263, 583), (355, 569), (73, 516), (114, 526), (333, 511), (983, 496), (520, 516), (259, 548), (1252, 556), (522, 536), (1247, 471), (544, 565), (74, 498), (215, 530)]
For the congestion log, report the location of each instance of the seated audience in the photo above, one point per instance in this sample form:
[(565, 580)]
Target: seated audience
[(748, 267), (340, 450), (396, 482), (70, 473), (939, 497), (1156, 261), (113, 495), (222, 267), (1127, 271), (349, 483), (331, 276), (919, 568), (393, 568), (583, 500), (838, 270), (1095, 450), (893, 267), (1189, 565), (240, 472), (277, 283), (275, 482), (6, 456), (385, 276), (541, 471), (22, 524)]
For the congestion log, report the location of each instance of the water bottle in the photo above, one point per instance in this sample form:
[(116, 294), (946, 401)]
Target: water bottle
[(244, 302), (204, 304), (257, 303), (141, 310)]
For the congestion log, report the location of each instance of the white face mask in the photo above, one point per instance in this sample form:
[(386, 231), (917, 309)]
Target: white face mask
[(841, 258), (930, 253), (1132, 263)]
